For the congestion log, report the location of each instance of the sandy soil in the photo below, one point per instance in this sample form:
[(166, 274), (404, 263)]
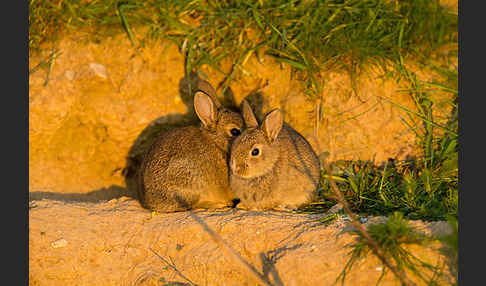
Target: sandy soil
[(117, 242)]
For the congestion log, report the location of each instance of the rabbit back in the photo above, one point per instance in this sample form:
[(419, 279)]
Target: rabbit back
[(300, 176), (184, 170)]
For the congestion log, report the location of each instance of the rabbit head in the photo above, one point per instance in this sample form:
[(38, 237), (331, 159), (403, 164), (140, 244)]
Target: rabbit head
[(220, 124), (255, 152)]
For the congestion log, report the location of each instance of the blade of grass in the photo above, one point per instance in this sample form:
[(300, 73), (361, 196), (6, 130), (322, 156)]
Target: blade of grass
[(292, 63), (380, 188), (414, 129), (42, 62), (52, 58), (359, 114), (419, 116), (125, 24)]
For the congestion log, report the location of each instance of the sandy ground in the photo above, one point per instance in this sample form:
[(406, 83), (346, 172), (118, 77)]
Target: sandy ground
[(117, 242)]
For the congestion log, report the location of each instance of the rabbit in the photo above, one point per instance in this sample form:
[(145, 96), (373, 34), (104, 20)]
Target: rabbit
[(272, 166), (186, 168)]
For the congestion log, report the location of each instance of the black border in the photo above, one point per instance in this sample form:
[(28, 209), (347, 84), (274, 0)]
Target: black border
[(16, 74), (471, 26)]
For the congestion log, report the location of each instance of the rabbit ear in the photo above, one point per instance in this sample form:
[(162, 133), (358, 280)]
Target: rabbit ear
[(272, 124), (205, 109), (248, 116), (208, 89)]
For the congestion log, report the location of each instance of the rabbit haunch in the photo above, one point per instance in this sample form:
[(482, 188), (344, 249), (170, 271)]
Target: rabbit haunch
[(272, 165), (186, 168)]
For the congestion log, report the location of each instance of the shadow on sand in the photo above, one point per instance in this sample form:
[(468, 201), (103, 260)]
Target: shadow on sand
[(103, 194)]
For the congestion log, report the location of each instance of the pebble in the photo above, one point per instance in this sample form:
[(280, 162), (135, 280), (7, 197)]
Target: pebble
[(99, 70), (69, 74), (363, 219), (59, 243)]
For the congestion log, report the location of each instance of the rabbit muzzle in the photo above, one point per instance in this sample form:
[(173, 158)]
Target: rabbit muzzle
[(239, 169)]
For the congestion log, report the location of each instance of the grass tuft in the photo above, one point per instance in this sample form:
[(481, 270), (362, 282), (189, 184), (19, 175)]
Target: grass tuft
[(392, 237), (412, 187)]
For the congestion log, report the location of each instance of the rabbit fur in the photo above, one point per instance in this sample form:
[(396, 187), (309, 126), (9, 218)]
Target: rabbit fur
[(186, 168), (283, 174)]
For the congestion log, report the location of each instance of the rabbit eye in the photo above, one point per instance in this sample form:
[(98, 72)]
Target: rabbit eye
[(255, 152), (235, 132)]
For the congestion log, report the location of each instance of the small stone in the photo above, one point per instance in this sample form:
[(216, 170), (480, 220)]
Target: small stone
[(69, 74), (59, 243), (99, 70), (363, 219), (378, 268), (32, 205)]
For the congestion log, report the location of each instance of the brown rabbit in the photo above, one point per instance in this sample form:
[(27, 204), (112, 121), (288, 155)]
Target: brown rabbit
[(187, 168), (272, 165)]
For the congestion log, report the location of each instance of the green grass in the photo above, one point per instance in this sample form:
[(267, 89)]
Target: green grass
[(308, 35), (419, 188), (393, 236)]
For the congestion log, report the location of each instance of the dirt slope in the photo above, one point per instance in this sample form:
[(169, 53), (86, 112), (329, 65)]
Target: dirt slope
[(102, 101)]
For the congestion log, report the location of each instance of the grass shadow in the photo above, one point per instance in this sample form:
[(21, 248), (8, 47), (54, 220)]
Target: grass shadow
[(270, 258)]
